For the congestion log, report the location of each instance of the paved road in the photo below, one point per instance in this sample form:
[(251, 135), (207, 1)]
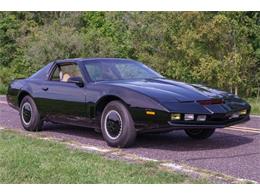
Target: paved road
[(234, 151)]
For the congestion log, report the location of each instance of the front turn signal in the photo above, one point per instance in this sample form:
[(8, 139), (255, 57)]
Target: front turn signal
[(242, 112)]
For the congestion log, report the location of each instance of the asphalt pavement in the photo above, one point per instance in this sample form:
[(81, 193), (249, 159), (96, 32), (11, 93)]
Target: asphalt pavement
[(233, 151)]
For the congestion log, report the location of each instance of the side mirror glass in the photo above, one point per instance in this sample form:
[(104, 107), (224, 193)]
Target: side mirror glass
[(77, 80)]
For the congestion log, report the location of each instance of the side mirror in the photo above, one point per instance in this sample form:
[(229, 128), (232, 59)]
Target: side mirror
[(77, 80)]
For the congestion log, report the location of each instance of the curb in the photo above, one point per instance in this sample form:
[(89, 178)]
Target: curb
[(119, 154), (170, 166), (255, 116)]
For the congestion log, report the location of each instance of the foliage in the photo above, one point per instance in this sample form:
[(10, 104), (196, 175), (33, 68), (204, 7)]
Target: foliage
[(255, 104), (218, 49)]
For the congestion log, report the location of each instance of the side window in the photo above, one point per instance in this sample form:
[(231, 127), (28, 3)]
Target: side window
[(65, 71)]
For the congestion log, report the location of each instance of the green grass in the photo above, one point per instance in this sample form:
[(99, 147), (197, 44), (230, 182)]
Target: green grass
[(255, 103), (29, 160)]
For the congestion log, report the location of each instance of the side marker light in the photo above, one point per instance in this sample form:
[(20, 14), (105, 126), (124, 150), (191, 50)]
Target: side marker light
[(150, 113)]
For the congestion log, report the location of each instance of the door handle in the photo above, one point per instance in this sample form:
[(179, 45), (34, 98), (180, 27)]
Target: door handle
[(45, 88)]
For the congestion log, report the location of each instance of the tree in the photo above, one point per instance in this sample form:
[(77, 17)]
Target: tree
[(218, 49)]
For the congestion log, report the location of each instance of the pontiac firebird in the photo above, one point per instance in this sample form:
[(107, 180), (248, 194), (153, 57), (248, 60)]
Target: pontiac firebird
[(121, 98)]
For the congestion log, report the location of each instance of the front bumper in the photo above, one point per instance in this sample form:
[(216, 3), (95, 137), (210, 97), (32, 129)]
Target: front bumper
[(217, 116), (216, 121)]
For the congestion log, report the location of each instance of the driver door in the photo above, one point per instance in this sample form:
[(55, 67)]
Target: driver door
[(63, 101)]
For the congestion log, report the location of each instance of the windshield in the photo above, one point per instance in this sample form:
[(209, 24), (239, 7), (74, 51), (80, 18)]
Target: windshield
[(118, 69)]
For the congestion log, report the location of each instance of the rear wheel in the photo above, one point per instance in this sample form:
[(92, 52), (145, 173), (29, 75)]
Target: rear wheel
[(200, 133), (29, 115), (117, 125)]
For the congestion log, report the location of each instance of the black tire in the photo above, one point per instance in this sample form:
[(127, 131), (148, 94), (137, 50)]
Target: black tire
[(120, 133), (200, 133), (34, 122)]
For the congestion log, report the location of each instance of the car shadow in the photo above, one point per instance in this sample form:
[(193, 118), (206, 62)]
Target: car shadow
[(174, 141), (73, 133), (179, 141)]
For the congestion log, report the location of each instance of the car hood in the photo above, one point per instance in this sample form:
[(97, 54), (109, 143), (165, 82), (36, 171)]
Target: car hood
[(165, 90)]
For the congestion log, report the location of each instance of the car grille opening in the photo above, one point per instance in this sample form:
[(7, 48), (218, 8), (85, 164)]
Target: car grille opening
[(210, 102)]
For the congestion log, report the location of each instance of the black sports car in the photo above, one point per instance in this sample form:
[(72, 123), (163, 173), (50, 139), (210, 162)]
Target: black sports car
[(120, 98)]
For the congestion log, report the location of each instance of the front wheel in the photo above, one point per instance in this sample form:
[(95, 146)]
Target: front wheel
[(199, 133), (117, 125), (29, 115)]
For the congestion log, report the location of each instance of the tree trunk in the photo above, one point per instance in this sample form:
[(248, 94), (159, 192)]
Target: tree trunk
[(258, 93), (236, 90)]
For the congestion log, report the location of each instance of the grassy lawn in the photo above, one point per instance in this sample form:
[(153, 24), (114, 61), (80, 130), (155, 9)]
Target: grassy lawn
[(30, 160), (255, 103)]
